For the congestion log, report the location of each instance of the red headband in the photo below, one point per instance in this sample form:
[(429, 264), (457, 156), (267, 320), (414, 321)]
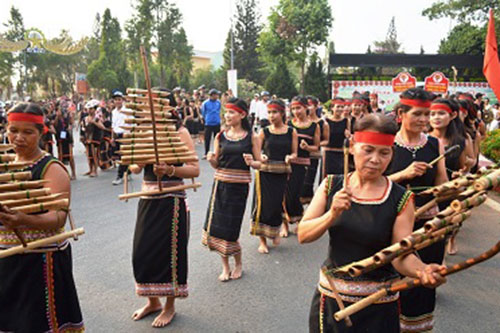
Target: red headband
[(415, 102), (298, 103), (311, 102), (235, 107), (466, 97), (347, 102), (464, 110), (275, 107), (360, 101), (374, 138), (441, 106), (27, 117), (338, 101)]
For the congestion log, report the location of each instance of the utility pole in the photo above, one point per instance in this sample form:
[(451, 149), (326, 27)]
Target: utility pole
[(232, 34)]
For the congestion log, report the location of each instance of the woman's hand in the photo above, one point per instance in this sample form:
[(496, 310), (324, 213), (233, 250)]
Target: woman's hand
[(265, 158), (160, 169), (416, 169), (248, 159), (11, 218), (430, 276), (211, 157), (303, 145), (288, 159), (341, 201)]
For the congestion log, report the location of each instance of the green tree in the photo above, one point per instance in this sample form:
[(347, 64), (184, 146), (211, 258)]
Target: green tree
[(280, 81), (390, 45), (462, 10), (245, 42), (298, 26), (15, 32), (316, 80)]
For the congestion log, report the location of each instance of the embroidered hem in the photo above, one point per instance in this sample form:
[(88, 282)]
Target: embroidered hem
[(161, 290), (423, 323), (223, 247)]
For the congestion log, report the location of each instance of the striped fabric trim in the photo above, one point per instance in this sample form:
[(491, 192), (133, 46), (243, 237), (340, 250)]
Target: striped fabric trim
[(423, 323), (259, 229), (340, 150), (275, 167), (233, 176), (301, 161), (304, 136), (354, 291), (223, 247), (153, 186), (161, 290), (405, 200), (72, 328), (9, 239)]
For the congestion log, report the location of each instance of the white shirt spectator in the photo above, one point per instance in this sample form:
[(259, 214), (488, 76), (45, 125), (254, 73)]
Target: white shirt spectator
[(118, 120), (253, 106), (261, 110)]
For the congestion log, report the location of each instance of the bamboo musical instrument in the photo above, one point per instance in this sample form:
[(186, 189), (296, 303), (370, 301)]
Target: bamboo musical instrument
[(145, 107), (409, 283), (164, 191), (147, 114), (11, 176), (150, 134), (425, 207), (474, 201), (488, 181), (132, 152), (6, 147), (144, 91), (145, 99), (26, 185), (42, 206), (42, 242), (13, 166), (147, 120), (128, 158), (172, 140), (25, 194), (23, 202), (7, 158), (168, 160), (339, 301), (446, 153), (438, 223), (160, 127)]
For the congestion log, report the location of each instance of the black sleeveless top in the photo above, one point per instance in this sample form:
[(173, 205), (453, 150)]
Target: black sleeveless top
[(364, 229), (452, 161), (305, 134), (404, 156), (321, 124), (277, 146), (337, 133), (231, 152)]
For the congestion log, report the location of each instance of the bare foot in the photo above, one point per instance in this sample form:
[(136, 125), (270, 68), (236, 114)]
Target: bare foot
[(263, 249), (284, 232), (224, 276), (87, 173), (452, 247), (237, 272), (164, 318), (294, 229), (146, 310), (276, 241), (73, 177)]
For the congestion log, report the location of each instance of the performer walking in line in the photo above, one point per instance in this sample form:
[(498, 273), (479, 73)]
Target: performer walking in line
[(236, 150), (159, 254), (309, 138), (413, 151), (37, 290), (279, 143), (312, 169), (340, 129), (362, 214), (93, 135)]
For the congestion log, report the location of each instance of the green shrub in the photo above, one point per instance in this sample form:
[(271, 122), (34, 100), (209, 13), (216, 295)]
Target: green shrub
[(490, 147)]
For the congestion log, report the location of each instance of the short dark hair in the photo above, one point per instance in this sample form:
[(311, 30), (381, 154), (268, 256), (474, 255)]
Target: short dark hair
[(378, 123), (30, 108), (415, 94)]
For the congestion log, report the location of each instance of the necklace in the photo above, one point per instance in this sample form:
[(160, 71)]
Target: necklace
[(412, 148)]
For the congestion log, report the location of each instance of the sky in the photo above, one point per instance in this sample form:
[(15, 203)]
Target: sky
[(357, 23)]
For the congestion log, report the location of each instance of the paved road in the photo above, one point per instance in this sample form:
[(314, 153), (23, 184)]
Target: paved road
[(275, 292)]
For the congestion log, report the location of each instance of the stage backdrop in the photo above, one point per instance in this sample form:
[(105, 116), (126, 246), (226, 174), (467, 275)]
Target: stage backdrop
[(388, 98)]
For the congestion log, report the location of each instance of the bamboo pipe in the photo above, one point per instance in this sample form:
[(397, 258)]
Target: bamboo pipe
[(488, 181), (22, 185), (147, 120), (425, 207), (168, 160), (145, 107), (446, 153), (151, 140), (133, 152), (160, 127), (464, 181), (474, 201), (25, 194), (6, 147), (11, 176), (125, 158), (42, 242), (144, 92), (147, 114), (145, 99), (150, 134), (42, 206), (7, 158), (339, 301), (409, 283), (4, 167), (438, 223), (23, 202), (72, 223), (166, 190), (138, 146)]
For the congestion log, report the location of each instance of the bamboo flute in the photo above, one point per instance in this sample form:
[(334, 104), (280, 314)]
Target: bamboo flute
[(11, 176), (409, 283), (42, 206), (25, 194), (489, 181), (22, 185), (12, 166), (42, 242), (165, 190), (6, 147), (474, 201), (23, 202), (438, 223), (144, 91)]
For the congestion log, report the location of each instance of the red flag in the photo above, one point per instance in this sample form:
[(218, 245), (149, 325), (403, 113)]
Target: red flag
[(491, 65)]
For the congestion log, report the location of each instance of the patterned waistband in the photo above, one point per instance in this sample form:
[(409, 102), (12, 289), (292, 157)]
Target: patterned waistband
[(301, 161), (430, 213), (233, 175), (8, 238), (148, 185), (315, 154), (276, 167), (337, 150), (354, 291)]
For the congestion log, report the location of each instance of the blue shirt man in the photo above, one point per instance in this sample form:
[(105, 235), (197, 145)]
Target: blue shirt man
[(210, 111)]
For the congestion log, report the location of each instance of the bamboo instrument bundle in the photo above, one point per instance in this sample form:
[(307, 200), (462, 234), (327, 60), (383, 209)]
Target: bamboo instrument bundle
[(489, 181), (167, 160), (130, 158), (148, 128), (24, 194), (474, 201), (145, 99), (167, 190), (155, 93), (43, 206), (146, 107), (22, 185), (12, 166), (145, 120), (131, 141), (150, 134), (42, 242), (11, 176), (24, 202), (6, 147), (134, 150), (147, 114), (7, 158), (438, 223)]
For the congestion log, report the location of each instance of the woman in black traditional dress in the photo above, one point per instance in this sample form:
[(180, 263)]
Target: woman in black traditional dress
[(312, 169), (471, 124), (236, 150), (63, 124), (93, 134), (105, 154), (159, 254), (363, 214), (340, 129), (37, 290), (279, 143), (309, 137), (196, 119), (413, 151)]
